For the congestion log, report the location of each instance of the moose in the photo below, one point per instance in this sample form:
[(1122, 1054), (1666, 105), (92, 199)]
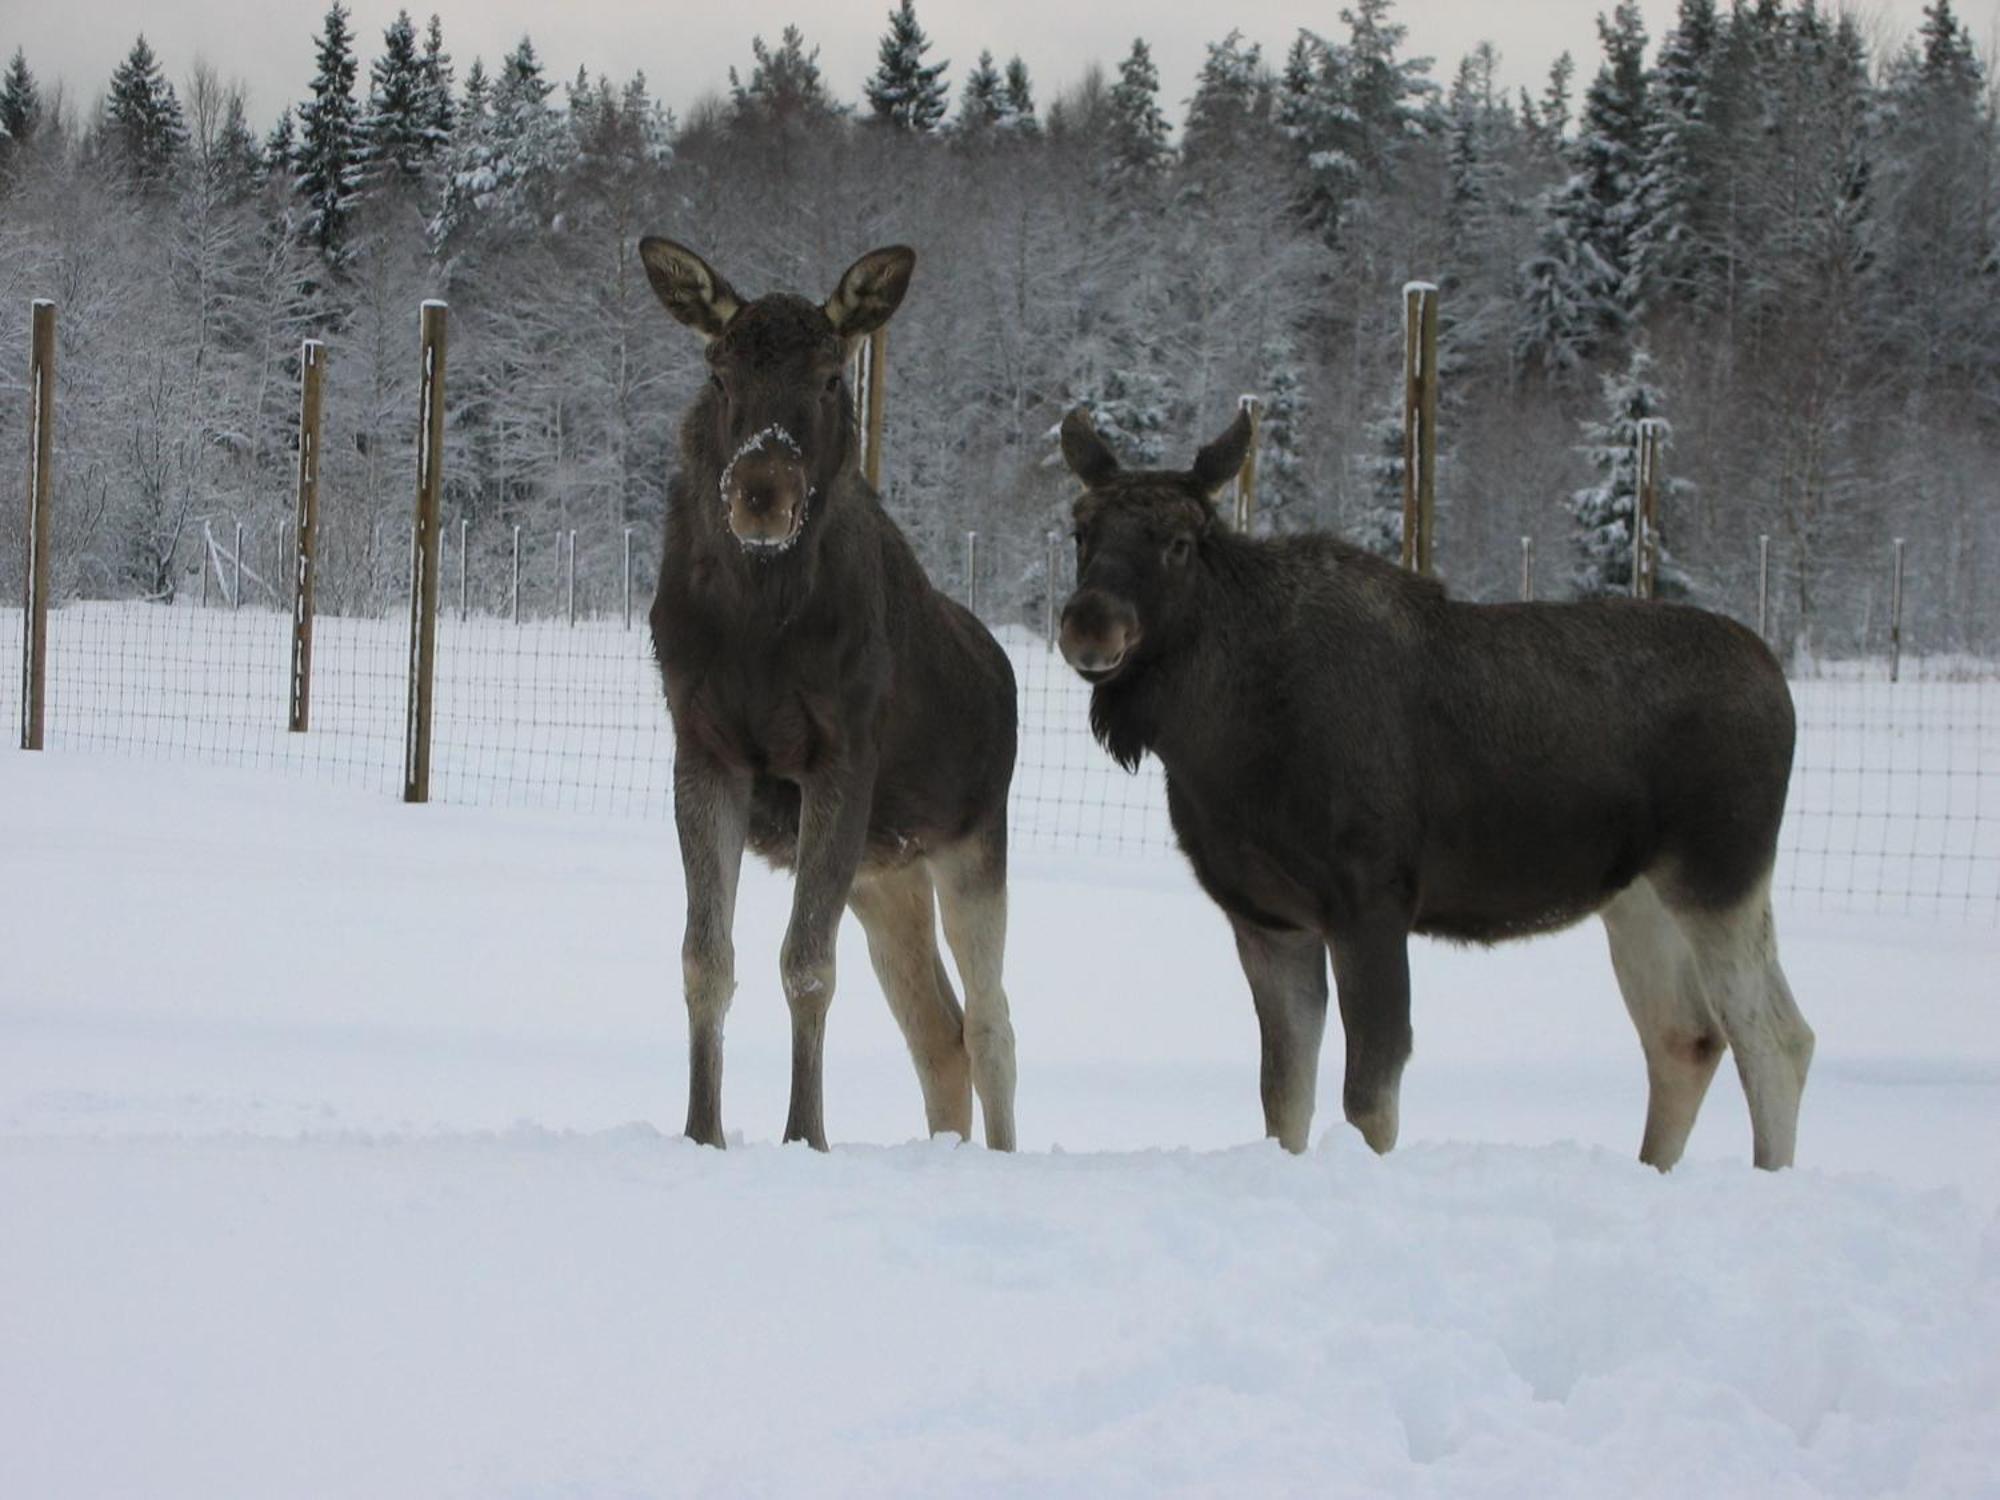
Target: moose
[(1351, 756), (831, 710)]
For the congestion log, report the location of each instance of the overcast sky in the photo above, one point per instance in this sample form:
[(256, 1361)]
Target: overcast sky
[(685, 49)]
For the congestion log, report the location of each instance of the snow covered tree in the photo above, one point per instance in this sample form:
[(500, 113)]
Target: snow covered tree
[(397, 136), (1392, 98), (1381, 463), (983, 99), (435, 109), (785, 89), (1136, 139), (1231, 100), (1283, 501), (327, 164), (1018, 113), (1547, 123), (1315, 115), (1603, 513), (905, 91), (1672, 248), (508, 158), (144, 126), (20, 108), (280, 146)]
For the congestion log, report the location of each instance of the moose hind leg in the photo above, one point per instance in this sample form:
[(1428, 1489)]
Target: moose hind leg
[(1371, 973), (972, 897), (1737, 953), (1678, 1030), (1287, 974), (897, 912)]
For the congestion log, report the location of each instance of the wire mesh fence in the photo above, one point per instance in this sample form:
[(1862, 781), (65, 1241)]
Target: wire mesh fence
[(547, 696)]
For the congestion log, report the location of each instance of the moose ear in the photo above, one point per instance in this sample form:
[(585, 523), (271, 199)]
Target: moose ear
[(1087, 455), (1219, 462), (689, 288), (870, 291)]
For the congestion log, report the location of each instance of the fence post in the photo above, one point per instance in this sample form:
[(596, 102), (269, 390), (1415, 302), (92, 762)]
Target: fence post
[(424, 583), (569, 576), (1420, 401), (236, 571), (972, 571), (1527, 569), (41, 473), (514, 581), (1896, 617), (1050, 566), (312, 373), (464, 564), (1646, 509), (1246, 477), (878, 369), (207, 560), (628, 577), (1764, 589)]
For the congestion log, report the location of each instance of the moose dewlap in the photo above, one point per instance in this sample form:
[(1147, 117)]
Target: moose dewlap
[(1351, 756)]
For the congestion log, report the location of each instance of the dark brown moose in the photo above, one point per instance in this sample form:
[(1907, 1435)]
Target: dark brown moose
[(1351, 757), (831, 710)]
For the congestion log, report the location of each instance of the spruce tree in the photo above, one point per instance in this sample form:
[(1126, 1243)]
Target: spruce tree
[(1603, 513), (437, 112), (328, 158), (1673, 247), (20, 106), (1230, 101), (396, 131), (1137, 139), (905, 91), (280, 146), (785, 89), (1019, 112), (146, 130), (983, 100), (1282, 499)]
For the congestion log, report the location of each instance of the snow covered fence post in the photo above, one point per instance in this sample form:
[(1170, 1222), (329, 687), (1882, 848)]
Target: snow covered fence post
[(35, 575), (236, 571), (1527, 569), (1764, 588), (1246, 477), (569, 576), (1896, 617), (1050, 567), (424, 574), (514, 581), (1645, 547), (1420, 403), (464, 565), (628, 577), (207, 559)]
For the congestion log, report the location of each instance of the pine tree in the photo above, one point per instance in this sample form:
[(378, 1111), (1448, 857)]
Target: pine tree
[(20, 107), (785, 89), (510, 149), (1137, 143), (1381, 526), (1547, 124), (328, 159), (1673, 249), (905, 91), (280, 146), (1315, 115), (983, 100), (1392, 98), (146, 128), (239, 160), (1603, 512), (1610, 163), (1282, 499), (1018, 114), (477, 104), (436, 111), (1231, 100), (396, 132)]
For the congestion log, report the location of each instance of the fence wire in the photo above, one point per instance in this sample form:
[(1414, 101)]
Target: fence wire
[(547, 696)]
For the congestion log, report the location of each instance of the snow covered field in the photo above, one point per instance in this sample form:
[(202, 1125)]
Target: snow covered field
[(338, 1158)]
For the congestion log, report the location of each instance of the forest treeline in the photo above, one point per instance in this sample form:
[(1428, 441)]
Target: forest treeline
[(1778, 233)]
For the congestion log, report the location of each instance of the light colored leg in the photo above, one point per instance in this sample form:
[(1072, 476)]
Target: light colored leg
[(1737, 953), (1287, 974), (1678, 1030), (711, 814), (897, 912), (972, 896), (1371, 975)]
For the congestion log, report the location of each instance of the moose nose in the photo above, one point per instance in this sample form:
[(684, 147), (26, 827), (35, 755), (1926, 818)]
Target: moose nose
[(1097, 633)]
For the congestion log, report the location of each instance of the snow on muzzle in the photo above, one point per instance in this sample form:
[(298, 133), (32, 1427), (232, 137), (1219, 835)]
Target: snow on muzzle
[(764, 491)]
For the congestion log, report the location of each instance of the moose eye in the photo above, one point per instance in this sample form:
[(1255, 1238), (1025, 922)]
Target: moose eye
[(1178, 549), (716, 381), (833, 382)]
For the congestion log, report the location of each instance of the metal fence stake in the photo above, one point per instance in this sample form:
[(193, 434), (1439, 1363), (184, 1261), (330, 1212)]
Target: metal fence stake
[(41, 477), (1896, 617), (514, 581), (1420, 404), (1049, 565), (1527, 569), (1764, 589), (424, 585), (628, 577)]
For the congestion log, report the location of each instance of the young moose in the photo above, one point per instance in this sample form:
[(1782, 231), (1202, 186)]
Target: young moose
[(831, 709), (1351, 757)]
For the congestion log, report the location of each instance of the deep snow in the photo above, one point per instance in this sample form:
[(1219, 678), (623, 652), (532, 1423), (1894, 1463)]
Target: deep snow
[(337, 1155)]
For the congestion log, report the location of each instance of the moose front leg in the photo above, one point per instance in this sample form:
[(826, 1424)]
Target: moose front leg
[(1371, 971), (711, 814), (1287, 974), (833, 832)]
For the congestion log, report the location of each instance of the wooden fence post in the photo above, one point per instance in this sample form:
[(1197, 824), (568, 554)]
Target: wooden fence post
[(41, 474), (1764, 589), (1896, 617), (1050, 567), (424, 574), (868, 369), (972, 571), (628, 577), (1420, 403), (1646, 510), (1246, 477), (1527, 569)]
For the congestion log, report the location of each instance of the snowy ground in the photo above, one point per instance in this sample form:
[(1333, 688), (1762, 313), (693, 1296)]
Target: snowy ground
[(337, 1154)]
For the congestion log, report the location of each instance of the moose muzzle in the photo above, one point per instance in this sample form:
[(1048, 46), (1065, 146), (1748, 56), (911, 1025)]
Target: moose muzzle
[(1099, 632), (765, 493)]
